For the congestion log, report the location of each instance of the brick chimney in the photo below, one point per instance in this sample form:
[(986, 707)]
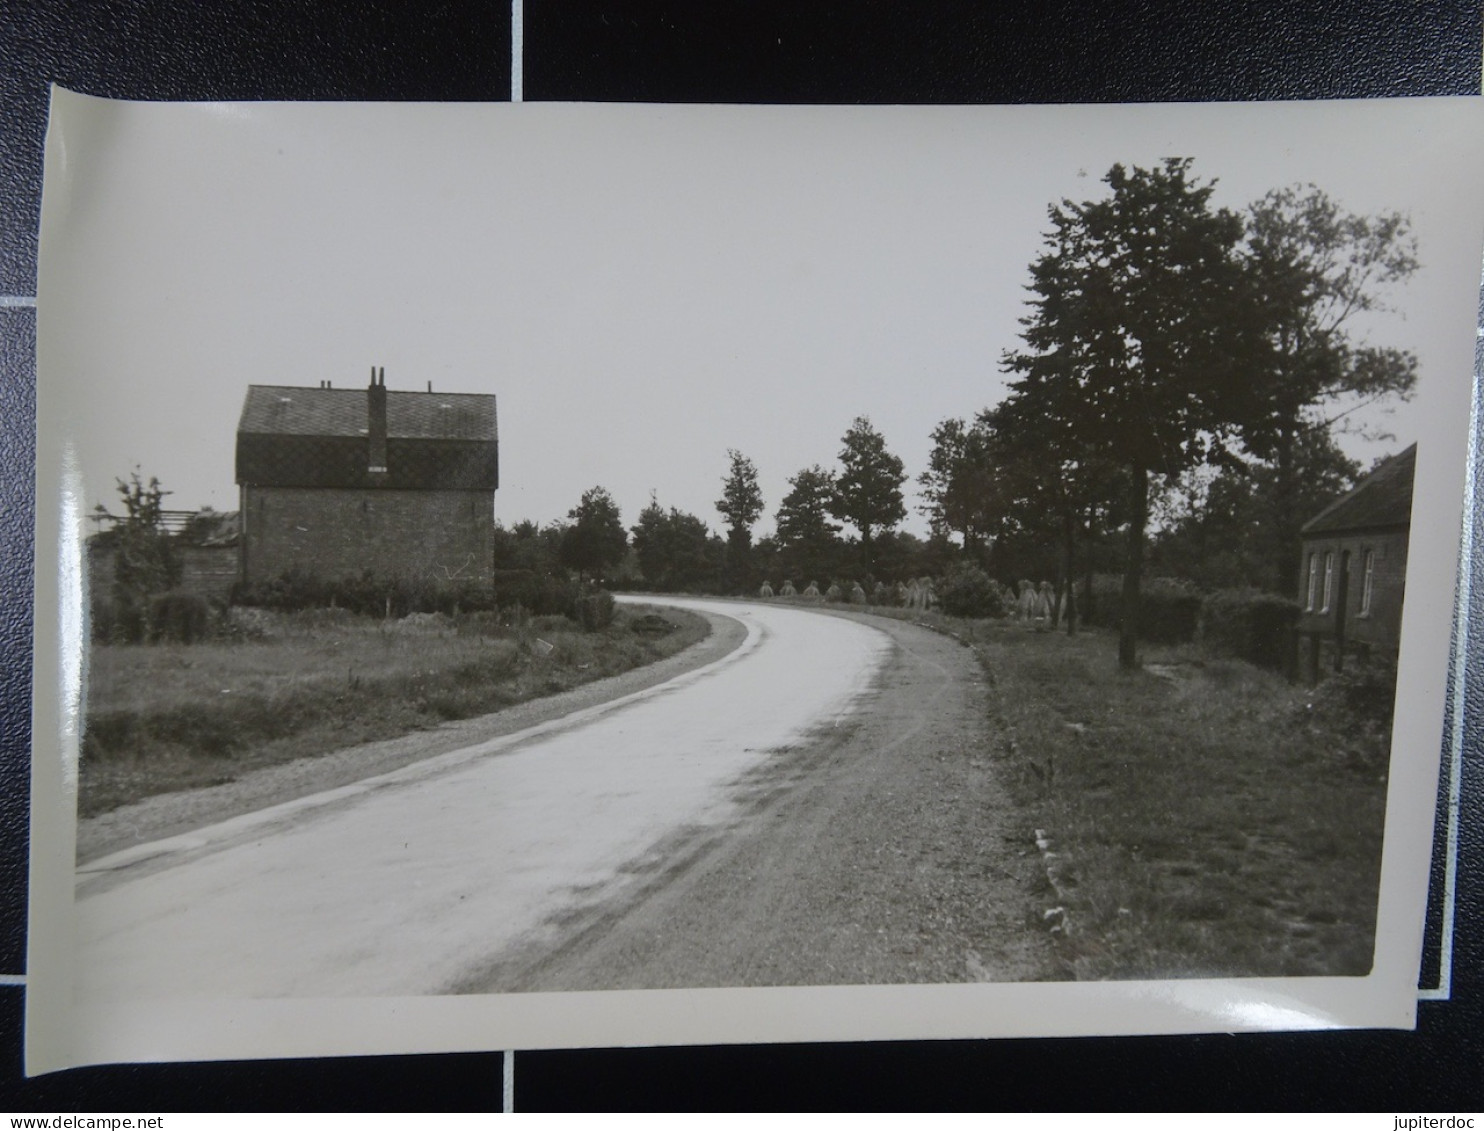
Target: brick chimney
[(376, 423)]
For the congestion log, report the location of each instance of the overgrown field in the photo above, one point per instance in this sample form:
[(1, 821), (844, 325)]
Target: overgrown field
[(174, 716), (1208, 818)]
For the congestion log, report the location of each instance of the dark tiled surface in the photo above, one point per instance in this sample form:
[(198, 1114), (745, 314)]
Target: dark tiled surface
[(1217, 1072), (451, 50), (884, 51)]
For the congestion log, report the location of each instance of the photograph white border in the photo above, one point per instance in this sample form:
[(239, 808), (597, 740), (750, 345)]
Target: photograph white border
[(60, 1033)]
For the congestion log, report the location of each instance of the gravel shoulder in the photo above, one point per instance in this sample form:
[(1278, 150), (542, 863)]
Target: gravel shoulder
[(882, 851), (173, 813)]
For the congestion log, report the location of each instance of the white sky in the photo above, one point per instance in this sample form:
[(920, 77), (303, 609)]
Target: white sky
[(642, 287)]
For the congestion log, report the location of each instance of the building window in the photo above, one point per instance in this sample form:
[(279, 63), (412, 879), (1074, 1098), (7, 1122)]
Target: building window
[(1313, 582), (1329, 581), (1368, 573)]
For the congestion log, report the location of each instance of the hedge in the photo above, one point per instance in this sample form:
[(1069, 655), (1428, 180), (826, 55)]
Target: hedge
[(537, 594), (1251, 625), (1170, 610)]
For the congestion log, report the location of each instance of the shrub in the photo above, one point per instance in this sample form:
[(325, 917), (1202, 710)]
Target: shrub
[(968, 591), (594, 610), (1170, 609), (541, 594), (652, 625), (115, 622), (178, 617), (367, 595), (1355, 706), (1252, 626)]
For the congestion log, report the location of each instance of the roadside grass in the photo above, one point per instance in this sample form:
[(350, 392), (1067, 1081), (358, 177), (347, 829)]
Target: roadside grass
[(167, 717), (1208, 821), (1207, 818)]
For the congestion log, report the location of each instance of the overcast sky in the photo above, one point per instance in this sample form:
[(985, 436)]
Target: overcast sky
[(642, 287)]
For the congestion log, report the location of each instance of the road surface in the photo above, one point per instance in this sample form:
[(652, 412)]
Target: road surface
[(774, 817)]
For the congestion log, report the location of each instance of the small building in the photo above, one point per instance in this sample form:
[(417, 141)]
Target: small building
[(204, 545), (1353, 568), (344, 483)]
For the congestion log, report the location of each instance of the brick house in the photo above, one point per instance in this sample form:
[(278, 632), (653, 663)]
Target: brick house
[(340, 483), (1353, 568)]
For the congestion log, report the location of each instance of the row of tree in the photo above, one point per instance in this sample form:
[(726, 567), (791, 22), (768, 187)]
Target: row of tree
[(1176, 360), (675, 550)]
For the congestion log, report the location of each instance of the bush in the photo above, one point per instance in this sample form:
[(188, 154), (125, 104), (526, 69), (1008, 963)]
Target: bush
[(1170, 610), (1358, 699), (367, 595), (594, 610), (1252, 626), (1355, 707), (540, 594), (968, 591), (116, 622), (652, 625), (181, 618)]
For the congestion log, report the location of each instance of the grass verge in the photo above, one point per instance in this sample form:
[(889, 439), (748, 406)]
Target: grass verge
[(173, 716), (1208, 818)]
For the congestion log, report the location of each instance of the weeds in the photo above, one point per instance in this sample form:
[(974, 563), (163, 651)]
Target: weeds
[(175, 716), (1209, 827)]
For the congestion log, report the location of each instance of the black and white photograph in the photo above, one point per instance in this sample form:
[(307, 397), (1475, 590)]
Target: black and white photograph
[(544, 576)]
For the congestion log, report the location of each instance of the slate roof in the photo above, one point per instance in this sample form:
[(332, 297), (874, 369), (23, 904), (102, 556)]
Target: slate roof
[(1382, 499), (288, 410), (300, 437)]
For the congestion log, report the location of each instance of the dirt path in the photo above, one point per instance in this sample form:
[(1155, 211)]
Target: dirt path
[(884, 851), (169, 814)]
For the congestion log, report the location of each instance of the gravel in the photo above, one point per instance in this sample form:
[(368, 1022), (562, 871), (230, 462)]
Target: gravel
[(882, 851)]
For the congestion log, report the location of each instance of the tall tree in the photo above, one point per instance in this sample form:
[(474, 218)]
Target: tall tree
[(1314, 270), (868, 490), (595, 541), (959, 488), (1130, 347), (527, 546), (1049, 493), (741, 504), (673, 548), (807, 540)]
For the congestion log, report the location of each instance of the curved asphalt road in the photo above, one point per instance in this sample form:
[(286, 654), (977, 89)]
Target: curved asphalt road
[(405, 883)]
